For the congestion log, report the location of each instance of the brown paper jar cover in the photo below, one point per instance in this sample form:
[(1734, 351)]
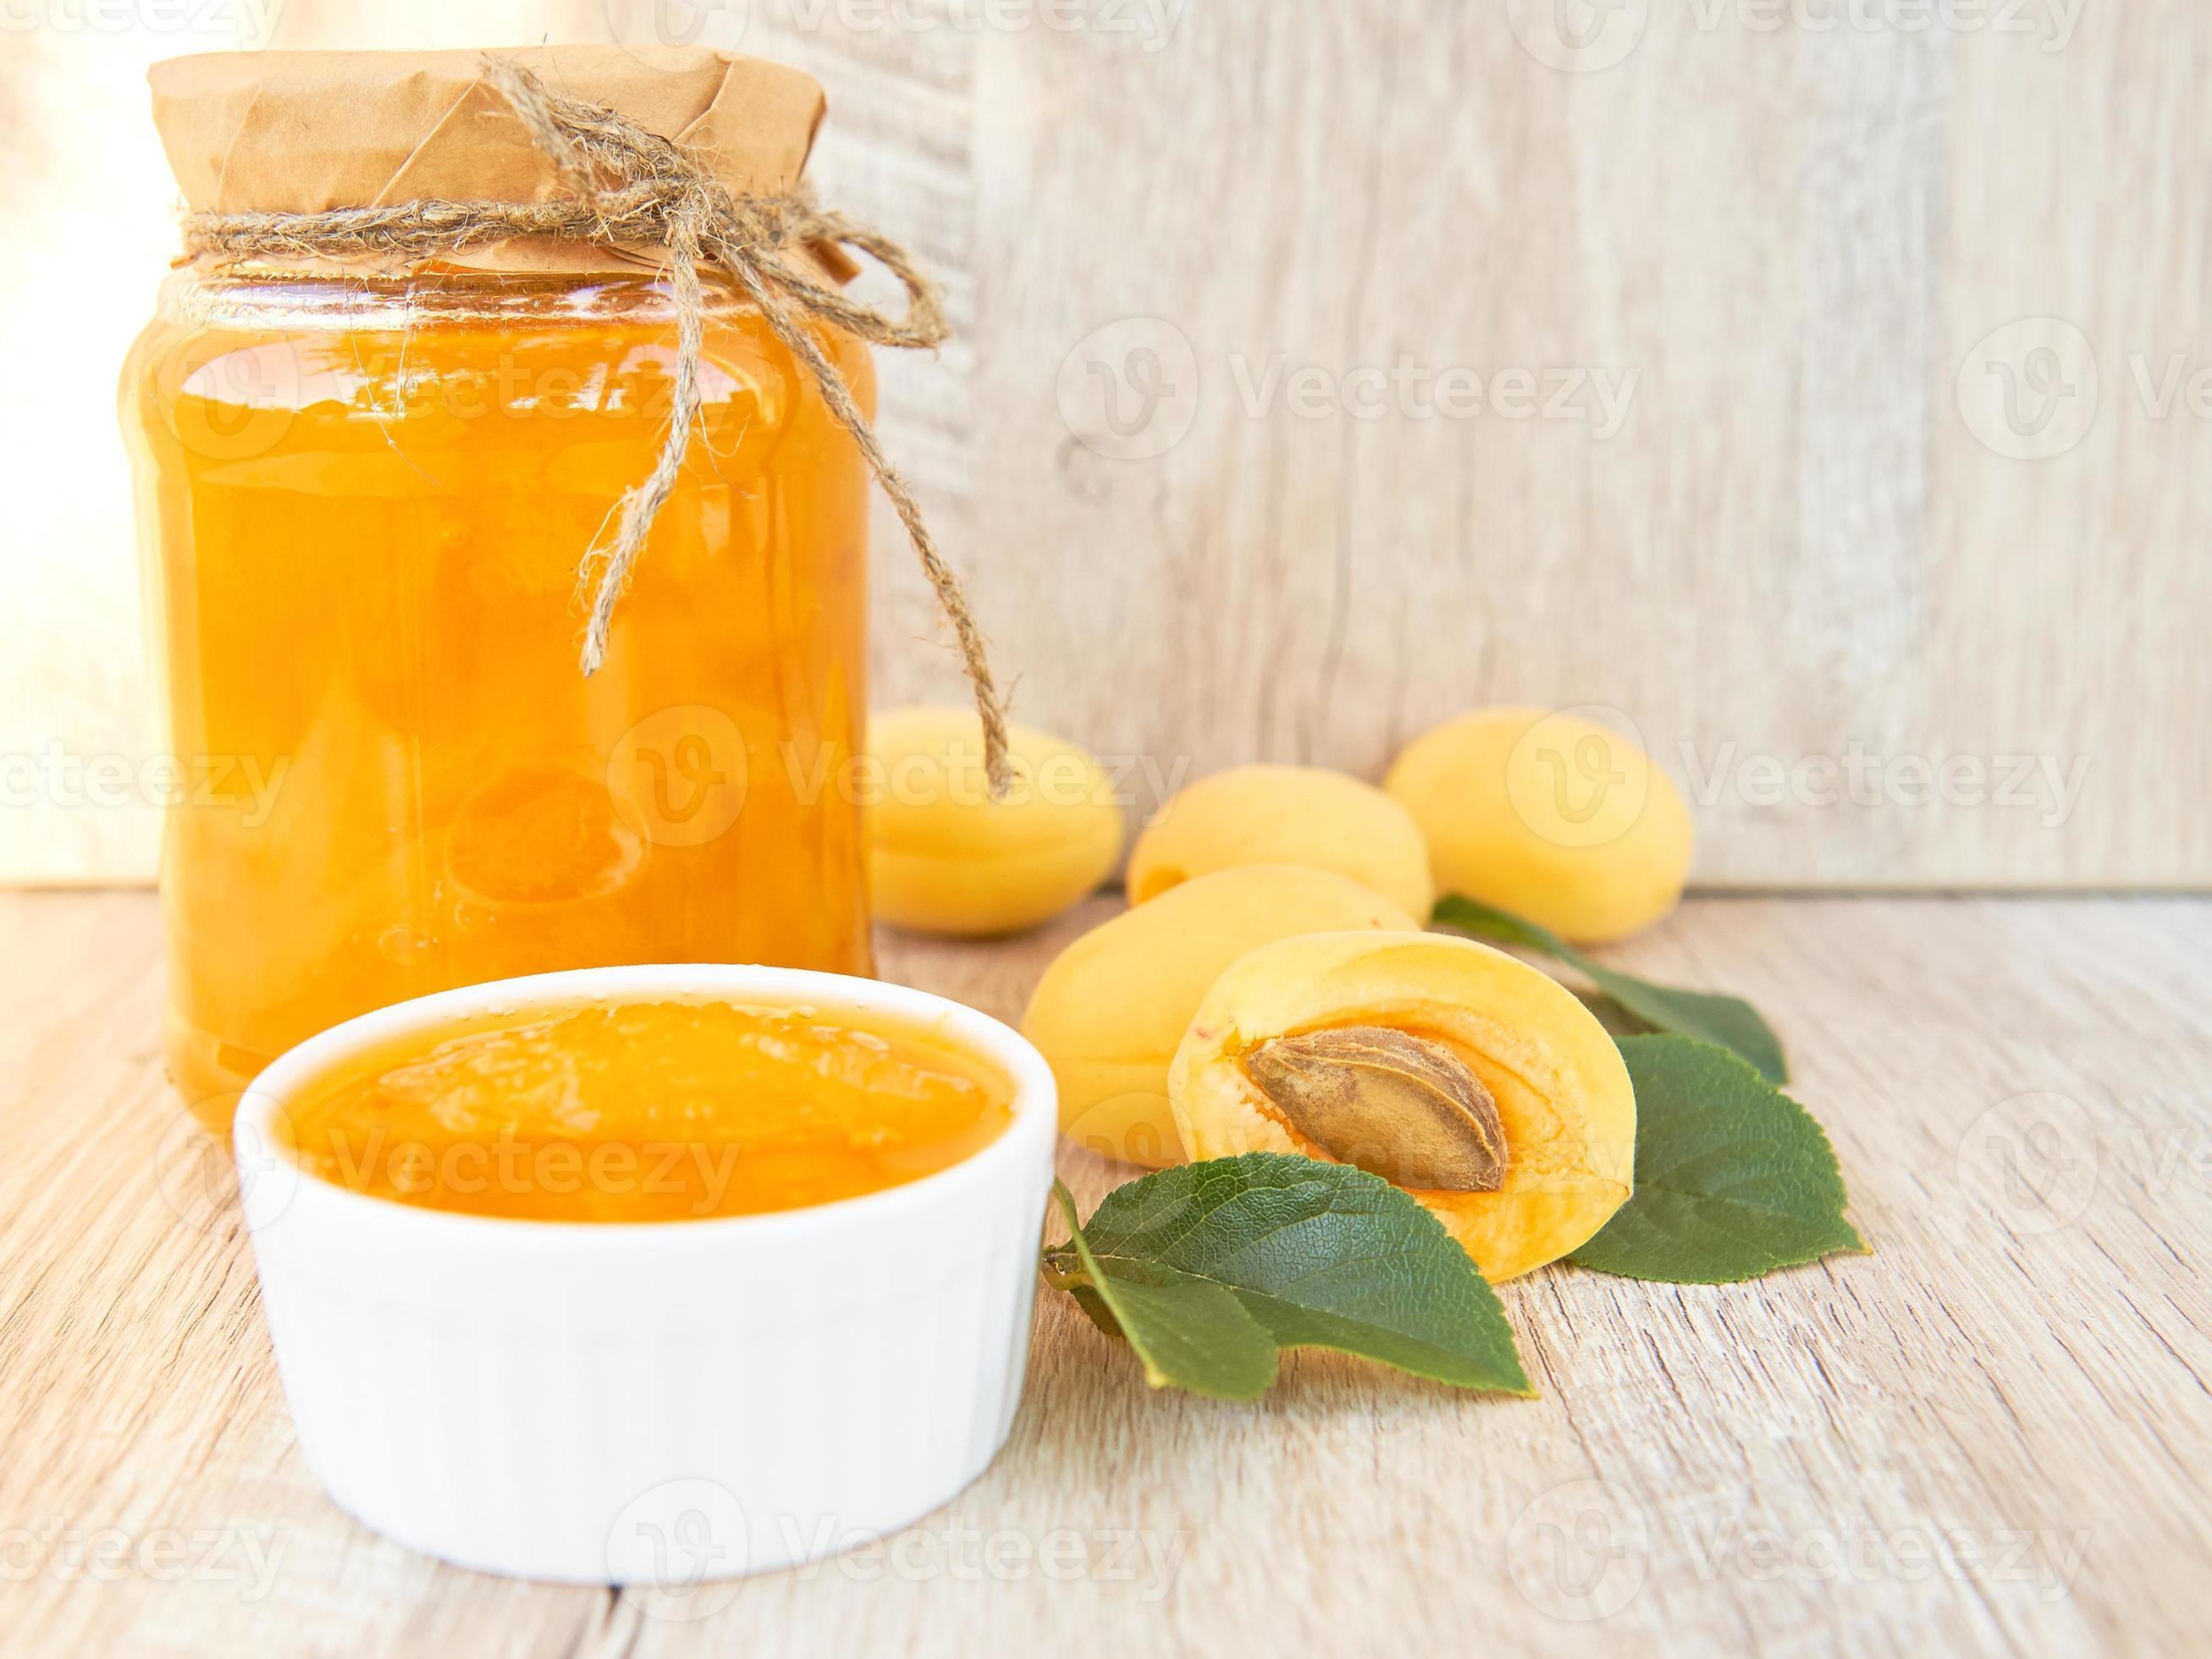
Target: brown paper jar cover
[(307, 131)]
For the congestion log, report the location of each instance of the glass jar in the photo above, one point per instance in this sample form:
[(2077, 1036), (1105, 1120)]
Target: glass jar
[(363, 504)]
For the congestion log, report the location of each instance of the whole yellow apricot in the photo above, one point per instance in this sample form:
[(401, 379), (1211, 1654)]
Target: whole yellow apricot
[(1285, 815), (1110, 1009), (945, 858), (1550, 816), (1483, 1088)]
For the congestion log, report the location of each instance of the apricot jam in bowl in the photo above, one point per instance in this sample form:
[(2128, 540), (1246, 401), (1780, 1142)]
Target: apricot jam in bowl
[(650, 1275)]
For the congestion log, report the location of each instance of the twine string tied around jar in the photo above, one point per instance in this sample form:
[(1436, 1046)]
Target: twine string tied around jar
[(632, 187)]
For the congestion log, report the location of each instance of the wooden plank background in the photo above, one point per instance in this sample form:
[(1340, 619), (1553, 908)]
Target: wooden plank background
[(1879, 634)]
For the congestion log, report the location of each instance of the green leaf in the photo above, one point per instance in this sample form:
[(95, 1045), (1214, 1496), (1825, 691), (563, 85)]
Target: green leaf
[(1733, 1178), (1730, 1021), (1187, 1330), (1207, 1269), (1617, 1020)]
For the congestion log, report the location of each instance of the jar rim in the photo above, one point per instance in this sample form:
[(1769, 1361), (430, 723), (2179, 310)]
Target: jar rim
[(313, 298)]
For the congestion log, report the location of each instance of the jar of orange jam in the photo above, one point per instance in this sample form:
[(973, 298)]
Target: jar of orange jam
[(364, 501)]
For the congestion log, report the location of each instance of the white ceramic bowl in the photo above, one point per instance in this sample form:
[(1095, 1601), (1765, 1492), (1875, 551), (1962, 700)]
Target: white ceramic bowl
[(654, 1402)]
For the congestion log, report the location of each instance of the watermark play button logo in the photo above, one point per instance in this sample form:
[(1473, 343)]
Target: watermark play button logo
[(2029, 390), (679, 1550), (1577, 37)]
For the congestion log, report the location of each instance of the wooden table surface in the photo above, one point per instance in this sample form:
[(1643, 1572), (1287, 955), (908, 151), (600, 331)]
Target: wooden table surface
[(1989, 1435)]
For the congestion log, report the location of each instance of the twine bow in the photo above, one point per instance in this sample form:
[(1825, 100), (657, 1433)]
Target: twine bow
[(632, 187)]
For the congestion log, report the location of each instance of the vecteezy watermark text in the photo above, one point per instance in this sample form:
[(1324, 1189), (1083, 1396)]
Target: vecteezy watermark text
[(245, 23), (55, 776), (723, 24), (244, 1556), (1145, 1559), (2040, 1560), (957, 777), (682, 1545), (2049, 785), (1582, 37), (1131, 389), (1583, 1551), (508, 1165), (1592, 395)]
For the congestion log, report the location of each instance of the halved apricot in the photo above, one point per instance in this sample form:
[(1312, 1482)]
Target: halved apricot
[(1413, 1055)]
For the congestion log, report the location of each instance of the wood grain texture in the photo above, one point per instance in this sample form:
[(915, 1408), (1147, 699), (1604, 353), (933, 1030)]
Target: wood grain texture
[(1985, 1438), (1875, 652), (1794, 567)]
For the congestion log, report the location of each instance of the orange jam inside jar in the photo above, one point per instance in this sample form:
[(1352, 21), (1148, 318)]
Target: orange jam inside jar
[(365, 502), (646, 1111)]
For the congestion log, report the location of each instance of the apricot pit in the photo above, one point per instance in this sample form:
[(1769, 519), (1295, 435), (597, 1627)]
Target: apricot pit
[(1389, 1102)]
